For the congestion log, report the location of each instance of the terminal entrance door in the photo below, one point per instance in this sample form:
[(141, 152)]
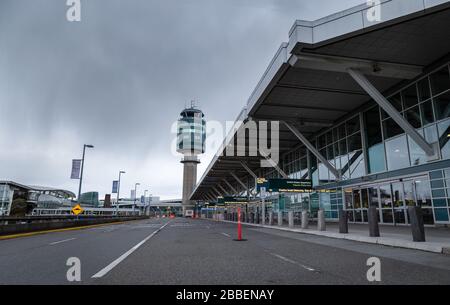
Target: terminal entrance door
[(391, 200)]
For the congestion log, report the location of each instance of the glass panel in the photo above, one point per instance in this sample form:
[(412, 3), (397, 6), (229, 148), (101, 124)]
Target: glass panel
[(376, 158), (396, 101), (413, 117), (410, 96), (364, 199), (341, 131), (428, 217), (442, 105), (348, 199), (444, 137), (354, 142), (386, 196), (399, 211), (440, 81), (424, 89), (358, 216), (357, 165), (410, 198), (397, 153), (439, 202), (437, 184), (438, 193), (417, 155), (423, 192), (427, 113), (373, 127), (441, 215), (391, 129), (353, 125), (436, 175), (356, 199), (387, 216)]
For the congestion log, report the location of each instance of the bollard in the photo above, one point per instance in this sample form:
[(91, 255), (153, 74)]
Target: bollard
[(291, 219), (321, 226), (343, 222), (270, 218), (417, 225), (305, 220), (263, 213), (280, 218), (374, 229)]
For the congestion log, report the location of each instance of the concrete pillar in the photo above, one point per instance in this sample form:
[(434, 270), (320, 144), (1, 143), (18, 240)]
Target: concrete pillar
[(343, 222), (417, 225), (280, 218), (374, 229), (305, 220), (291, 219), (321, 226), (270, 218)]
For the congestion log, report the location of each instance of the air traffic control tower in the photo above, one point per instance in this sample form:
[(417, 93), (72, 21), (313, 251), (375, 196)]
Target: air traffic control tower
[(191, 138)]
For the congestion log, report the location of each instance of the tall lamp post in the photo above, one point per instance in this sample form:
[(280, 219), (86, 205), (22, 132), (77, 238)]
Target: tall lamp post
[(82, 168), (135, 194), (118, 189)]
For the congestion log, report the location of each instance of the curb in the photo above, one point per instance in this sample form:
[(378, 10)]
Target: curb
[(385, 241)]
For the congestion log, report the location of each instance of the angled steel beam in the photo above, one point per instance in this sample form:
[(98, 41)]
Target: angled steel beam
[(238, 180), (224, 190), (248, 170), (217, 192), (313, 150), (230, 186), (395, 115), (274, 165)]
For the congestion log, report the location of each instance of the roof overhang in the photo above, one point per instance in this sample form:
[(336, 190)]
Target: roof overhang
[(307, 81)]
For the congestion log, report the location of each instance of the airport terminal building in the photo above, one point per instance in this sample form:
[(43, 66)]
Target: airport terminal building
[(364, 112)]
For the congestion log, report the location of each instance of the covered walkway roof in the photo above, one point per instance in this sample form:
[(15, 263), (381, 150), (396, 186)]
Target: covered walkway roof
[(308, 83)]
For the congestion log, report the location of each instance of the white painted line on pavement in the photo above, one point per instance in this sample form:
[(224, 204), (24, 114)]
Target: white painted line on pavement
[(61, 241), (292, 262), (225, 234), (108, 268)]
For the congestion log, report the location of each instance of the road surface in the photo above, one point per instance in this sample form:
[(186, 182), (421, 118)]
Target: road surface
[(193, 251)]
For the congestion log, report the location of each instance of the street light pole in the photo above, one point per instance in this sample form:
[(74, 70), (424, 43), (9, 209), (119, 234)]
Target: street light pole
[(118, 190), (135, 195), (82, 168)]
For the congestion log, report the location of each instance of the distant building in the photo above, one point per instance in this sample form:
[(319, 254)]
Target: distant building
[(89, 199), (19, 200)]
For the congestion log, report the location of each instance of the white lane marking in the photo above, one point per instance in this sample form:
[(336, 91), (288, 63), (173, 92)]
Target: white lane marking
[(225, 234), (61, 241), (292, 262), (108, 268)]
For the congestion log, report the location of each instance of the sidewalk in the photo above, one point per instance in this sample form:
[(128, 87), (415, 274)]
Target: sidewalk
[(437, 239)]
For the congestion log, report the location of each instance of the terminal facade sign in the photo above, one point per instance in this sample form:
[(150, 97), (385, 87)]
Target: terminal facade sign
[(232, 200), (285, 185)]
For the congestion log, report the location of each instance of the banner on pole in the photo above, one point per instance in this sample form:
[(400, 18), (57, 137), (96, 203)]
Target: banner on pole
[(115, 186), (76, 169), (133, 195)]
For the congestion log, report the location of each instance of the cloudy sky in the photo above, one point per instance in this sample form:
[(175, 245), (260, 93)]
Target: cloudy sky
[(119, 79)]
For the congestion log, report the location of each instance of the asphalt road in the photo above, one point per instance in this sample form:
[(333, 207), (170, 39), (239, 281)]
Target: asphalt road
[(187, 251)]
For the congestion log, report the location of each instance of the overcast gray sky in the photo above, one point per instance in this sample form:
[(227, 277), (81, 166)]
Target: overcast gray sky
[(119, 79)]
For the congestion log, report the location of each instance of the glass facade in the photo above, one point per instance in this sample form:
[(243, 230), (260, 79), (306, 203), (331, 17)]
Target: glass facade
[(370, 142)]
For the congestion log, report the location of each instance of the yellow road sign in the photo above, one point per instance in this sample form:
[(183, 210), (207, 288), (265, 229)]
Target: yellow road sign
[(77, 209)]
